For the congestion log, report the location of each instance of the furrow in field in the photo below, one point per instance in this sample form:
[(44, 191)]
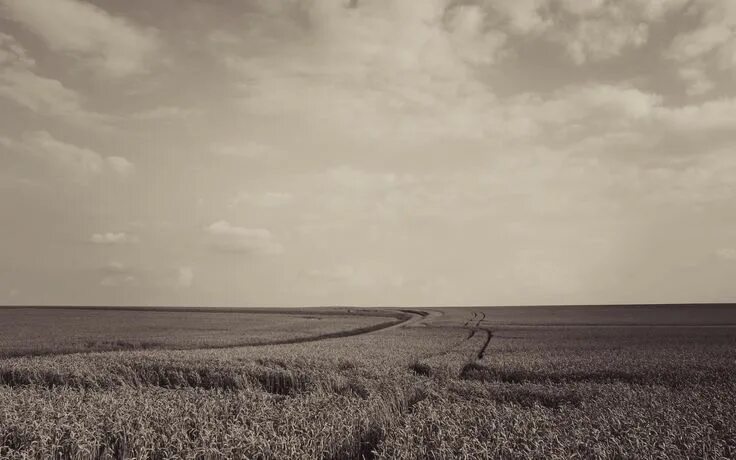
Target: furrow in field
[(489, 335)]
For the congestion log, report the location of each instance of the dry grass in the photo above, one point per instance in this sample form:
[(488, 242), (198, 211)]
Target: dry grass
[(39, 331), (407, 393)]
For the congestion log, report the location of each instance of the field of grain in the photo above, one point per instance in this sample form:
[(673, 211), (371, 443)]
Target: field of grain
[(38, 331), (555, 382)]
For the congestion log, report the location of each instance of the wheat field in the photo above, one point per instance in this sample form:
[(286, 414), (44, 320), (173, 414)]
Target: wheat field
[(406, 384)]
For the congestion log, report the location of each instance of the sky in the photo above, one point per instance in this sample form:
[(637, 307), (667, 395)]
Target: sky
[(367, 152)]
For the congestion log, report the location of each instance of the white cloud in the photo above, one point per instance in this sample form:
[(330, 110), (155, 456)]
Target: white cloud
[(360, 278), (44, 96), (164, 113), (20, 83), (600, 39), (711, 43), (472, 41), (715, 29), (113, 238), (589, 30), (224, 38), (116, 274), (578, 112), (524, 16), (726, 254), (697, 80), (247, 149), (79, 163), (380, 71), (264, 200), (229, 238), (185, 276), (713, 115), (110, 44), (120, 165), (13, 54), (76, 160)]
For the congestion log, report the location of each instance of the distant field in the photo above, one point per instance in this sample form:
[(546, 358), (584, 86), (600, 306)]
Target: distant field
[(25, 331), (631, 315), (563, 382)]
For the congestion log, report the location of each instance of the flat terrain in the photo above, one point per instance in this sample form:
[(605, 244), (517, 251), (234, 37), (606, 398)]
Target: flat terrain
[(35, 331), (531, 382)]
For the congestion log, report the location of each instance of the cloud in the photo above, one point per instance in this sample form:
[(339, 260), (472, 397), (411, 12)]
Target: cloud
[(164, 113), (523, 16), (13, 54), (726, 254), (247, 149), (601, 39), (350, 276), (717, 19), (572, 114), (711, 44), (472, 41), (706, 118), (185, 276), (589, 31), (116, 274), (45, 96), (111, 45), (229, 238), (20, 83), (78, 163), (113, 238), (597, 103), (120, 165), (697, 80), (371, 71), (601, 30), (263, 200), (380, 71)]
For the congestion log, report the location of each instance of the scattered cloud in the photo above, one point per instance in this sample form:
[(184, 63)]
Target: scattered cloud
[(706, 118), (79, 163), (601, 39), (116, 274), (110, 45), (479, 146), (113, 238), (523, 16), (13, 54), (120, 165), (352, 277), (697, 80), (185, 277), (726, 253), (229, 238), (20, 83), (710, 45), (224, 38), (247, 149), (717, 19), (164, 113), (263, 200)]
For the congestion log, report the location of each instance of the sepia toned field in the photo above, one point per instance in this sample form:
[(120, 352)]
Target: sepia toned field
[(547, 382), (38, 331)]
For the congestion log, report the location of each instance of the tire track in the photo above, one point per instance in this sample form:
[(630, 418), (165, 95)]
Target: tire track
[(471, 319), (472, 324), (412, 317), (489, 335), (481, 318)]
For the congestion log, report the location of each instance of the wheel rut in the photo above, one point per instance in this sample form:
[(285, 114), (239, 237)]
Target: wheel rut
[(489, 335), (473, 325)]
